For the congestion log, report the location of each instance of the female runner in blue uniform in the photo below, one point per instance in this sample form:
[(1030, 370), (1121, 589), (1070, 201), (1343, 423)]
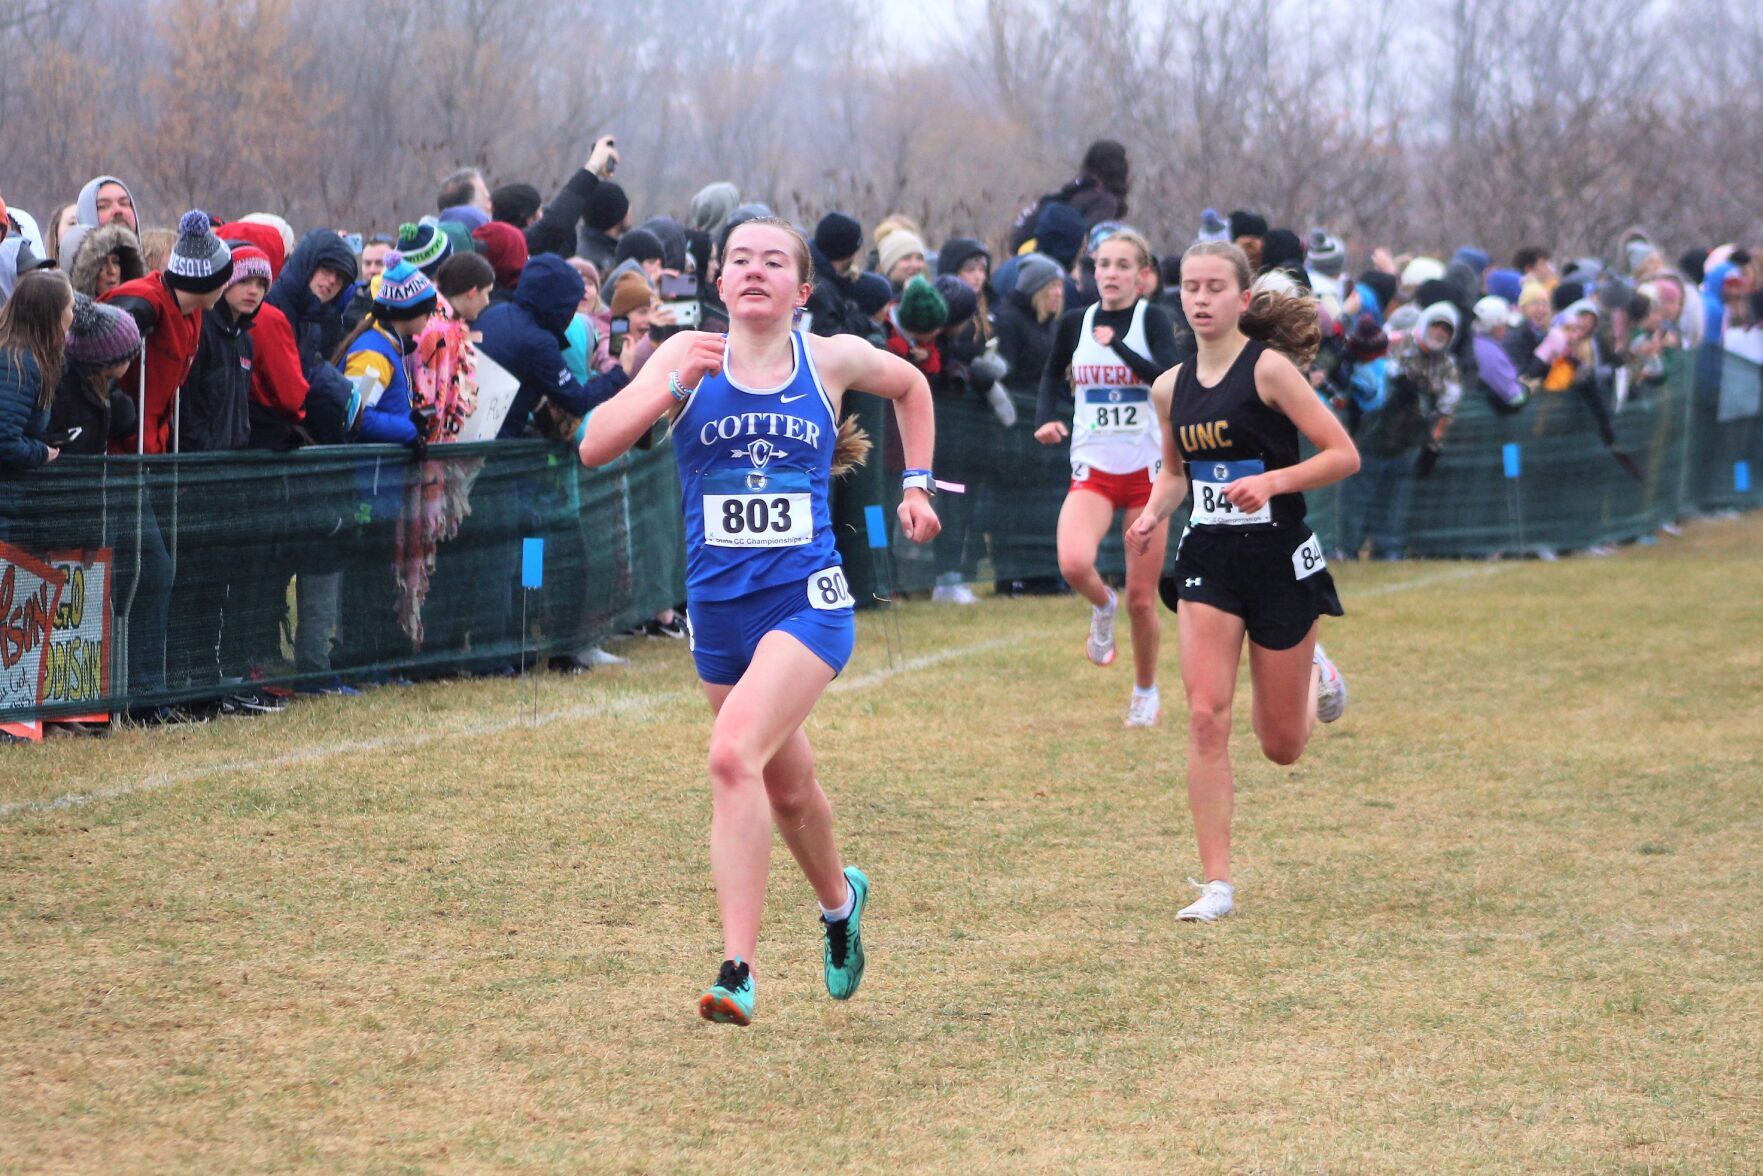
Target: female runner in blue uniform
[(756, 423), (1247, 564)]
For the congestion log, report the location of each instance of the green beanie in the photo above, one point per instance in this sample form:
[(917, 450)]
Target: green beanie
[(922, 308)]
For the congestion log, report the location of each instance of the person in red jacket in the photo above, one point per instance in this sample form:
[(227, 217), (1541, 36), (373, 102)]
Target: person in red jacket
[(278, 383), (167, 306)]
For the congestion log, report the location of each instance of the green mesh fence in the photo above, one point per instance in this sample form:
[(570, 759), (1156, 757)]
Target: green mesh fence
[(353, 562), (131, 582)]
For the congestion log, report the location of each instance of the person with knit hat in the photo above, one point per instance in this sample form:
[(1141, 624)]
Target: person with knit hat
[(1213, 227), (900, 257), (833, 250), (1325, 259), (516, 204), (872, 300), (167, 305), (1504, 283), (424, 245), (556, 227), (214, 405), (214, 415), (607, 218), (101, 342), (505, 247), (838, 238), (373, 356), (643, 247)]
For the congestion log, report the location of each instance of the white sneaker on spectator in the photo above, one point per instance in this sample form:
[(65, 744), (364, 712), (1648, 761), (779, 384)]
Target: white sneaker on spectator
[(1100, 647), (1215, 901), (953, 594), (593, 655), (1331, 689), (1143, 710)]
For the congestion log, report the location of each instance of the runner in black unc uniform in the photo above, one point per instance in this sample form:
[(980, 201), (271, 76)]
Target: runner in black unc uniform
[(1247, 563)]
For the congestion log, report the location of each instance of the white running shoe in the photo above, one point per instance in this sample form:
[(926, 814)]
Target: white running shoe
[(1215, 901), (1143, 710), (953, 594), (1331, 690), (1100, 646), (593, 655)]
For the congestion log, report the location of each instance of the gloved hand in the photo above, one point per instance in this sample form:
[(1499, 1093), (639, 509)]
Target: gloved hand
[(1003, 407)]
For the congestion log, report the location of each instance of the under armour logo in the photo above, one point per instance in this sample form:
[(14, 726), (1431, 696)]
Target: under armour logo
[(1191, 582)]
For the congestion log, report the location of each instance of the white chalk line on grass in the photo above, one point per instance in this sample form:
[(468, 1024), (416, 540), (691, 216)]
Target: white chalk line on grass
[(628, 706), (1478, 572), (633, 706)]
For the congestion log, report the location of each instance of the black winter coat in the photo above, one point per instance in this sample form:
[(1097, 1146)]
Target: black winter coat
[(99, 421), (1023, 343), (214, 411)]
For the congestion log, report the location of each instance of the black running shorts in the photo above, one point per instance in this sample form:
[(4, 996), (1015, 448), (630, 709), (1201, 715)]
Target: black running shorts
[(1276, 580)]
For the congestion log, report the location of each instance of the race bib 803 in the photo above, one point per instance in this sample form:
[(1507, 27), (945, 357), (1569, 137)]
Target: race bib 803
[(758, 508)]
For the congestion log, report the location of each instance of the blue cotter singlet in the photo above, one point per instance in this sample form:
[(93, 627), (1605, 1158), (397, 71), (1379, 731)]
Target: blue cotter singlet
[(754, 464)]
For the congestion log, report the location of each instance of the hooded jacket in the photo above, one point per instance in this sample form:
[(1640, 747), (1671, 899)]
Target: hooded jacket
[(172, 338), (214, 412), (97, 244), (316, 330), (1423, 385), (528, 336), (86, 207), (957, 252)]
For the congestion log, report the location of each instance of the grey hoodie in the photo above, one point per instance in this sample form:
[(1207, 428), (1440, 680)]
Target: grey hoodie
[(86, 207)]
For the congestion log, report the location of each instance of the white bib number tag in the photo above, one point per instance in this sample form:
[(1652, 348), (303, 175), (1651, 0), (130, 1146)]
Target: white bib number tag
[(1307, 560), (1116, 412), (1211, 479), (757, 509), (828, 591)]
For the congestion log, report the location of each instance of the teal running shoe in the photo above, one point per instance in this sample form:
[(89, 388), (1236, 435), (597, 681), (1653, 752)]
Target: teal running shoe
[(843, 950), (730, 1000)]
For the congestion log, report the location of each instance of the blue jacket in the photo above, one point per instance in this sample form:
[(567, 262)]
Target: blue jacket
[(379, 355), (528, 337), (22, 424)]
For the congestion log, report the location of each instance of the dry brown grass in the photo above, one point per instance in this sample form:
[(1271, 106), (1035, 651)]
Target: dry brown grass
[(1503, 917)]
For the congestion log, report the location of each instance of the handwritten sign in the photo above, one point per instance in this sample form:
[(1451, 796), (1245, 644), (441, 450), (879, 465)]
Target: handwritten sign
[(55, 637), (30, 591)]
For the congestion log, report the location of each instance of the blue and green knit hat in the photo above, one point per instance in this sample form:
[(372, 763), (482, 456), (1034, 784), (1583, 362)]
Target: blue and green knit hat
[(424, 244), (405, 291)]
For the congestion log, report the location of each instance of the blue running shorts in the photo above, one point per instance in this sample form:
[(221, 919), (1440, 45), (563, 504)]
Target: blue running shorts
[(817, 612)]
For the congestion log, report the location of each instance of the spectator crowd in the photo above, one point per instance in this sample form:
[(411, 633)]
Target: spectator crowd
[(233, 330)]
